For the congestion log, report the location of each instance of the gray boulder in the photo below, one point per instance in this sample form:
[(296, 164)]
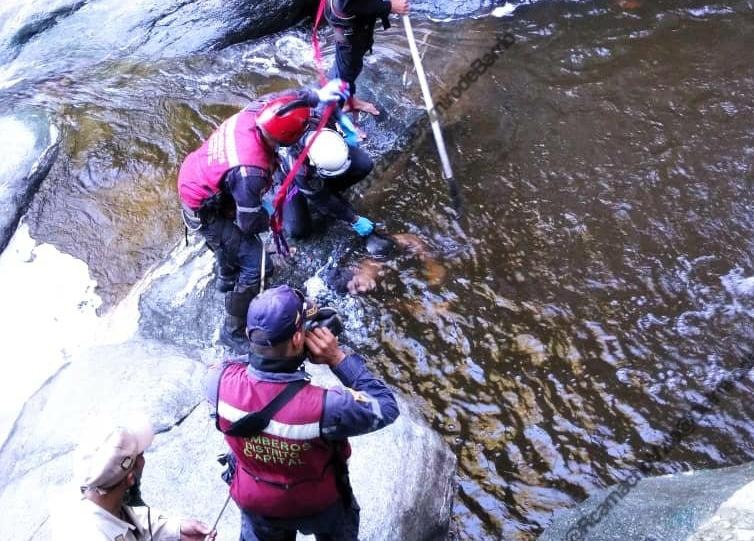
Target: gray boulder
[(33, 32), (98, 383), (402, 477), (30, 143), (695, 506), (186, 316)]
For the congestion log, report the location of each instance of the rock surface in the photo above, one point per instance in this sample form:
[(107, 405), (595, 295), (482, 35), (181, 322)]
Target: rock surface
[(403, 476), (696, 506), (33, 32), (29, 142)]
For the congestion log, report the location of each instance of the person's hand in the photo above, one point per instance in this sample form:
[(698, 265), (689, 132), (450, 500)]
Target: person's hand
[(333, 91), (363, 226), (401, 7), (194, 530), (323, 347)]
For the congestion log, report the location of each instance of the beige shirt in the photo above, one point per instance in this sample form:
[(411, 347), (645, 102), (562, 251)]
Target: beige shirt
[(87, 521)]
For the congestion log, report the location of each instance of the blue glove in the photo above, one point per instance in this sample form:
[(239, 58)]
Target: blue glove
[(350, 133), (363, 226), (352, 140), (267, 205), (335, 90)]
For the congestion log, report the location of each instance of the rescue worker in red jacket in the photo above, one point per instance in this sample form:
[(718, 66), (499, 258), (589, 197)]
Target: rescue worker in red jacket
[(222, 185), (292, 475), (353, 23)]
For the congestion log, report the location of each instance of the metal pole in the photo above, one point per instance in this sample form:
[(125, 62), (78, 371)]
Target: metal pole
[(430, 106), (217, 520)]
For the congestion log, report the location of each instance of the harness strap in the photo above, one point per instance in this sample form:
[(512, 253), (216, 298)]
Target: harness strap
[(253, 423), (276, 220), (315, 42)]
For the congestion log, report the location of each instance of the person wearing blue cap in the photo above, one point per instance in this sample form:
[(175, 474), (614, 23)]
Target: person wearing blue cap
[(288, 437)]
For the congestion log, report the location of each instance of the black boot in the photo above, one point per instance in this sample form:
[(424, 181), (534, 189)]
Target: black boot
[(233, 335), (225, 284), (233, 331), (225, 277)]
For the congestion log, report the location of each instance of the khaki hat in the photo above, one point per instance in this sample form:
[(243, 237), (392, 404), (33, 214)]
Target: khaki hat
[(105, 463)]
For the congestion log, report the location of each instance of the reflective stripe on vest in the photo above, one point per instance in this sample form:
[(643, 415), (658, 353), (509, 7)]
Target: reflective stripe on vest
[(292, 432), (286, 470), (236, 142)]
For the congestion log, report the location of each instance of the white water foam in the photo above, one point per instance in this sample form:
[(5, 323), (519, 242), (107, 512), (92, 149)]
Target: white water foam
[(504, 10)]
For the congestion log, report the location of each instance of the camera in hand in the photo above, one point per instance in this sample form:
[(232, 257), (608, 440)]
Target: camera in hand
[(323, 317)]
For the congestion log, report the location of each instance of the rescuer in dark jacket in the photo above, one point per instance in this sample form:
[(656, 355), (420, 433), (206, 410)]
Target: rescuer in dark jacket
[(289, 471), (353, 23), (222, 184)]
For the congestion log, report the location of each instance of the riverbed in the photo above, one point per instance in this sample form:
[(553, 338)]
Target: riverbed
[(599, 281)]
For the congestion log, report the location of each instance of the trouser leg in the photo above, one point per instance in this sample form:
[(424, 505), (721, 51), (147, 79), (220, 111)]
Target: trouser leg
[(338, 523), (248, 254), (349, 56), (250, 260), (223, 237), (255, 528), (361, 166), (297, 219)]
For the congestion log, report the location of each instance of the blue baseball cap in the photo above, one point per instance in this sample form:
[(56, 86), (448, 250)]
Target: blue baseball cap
[(275, 315)]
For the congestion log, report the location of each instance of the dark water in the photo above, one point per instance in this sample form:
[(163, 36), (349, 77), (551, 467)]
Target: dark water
[(601, 287), (600, 281)]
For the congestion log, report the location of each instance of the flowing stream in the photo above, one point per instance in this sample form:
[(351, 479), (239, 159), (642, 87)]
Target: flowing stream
[(599, 282)]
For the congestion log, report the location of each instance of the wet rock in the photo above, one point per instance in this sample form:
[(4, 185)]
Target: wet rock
[(186, 316), (710, 504), (30, 143), (402, 477), (98, 383), (32, 33)]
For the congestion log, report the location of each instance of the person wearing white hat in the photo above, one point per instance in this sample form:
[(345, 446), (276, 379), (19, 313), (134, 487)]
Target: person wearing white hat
[(334, 164), (108, 473)]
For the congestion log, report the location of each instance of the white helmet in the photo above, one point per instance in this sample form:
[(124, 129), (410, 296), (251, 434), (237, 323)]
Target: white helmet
[(329, 153)]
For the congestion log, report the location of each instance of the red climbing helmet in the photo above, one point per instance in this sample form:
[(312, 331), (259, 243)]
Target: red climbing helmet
[(284, 119)]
